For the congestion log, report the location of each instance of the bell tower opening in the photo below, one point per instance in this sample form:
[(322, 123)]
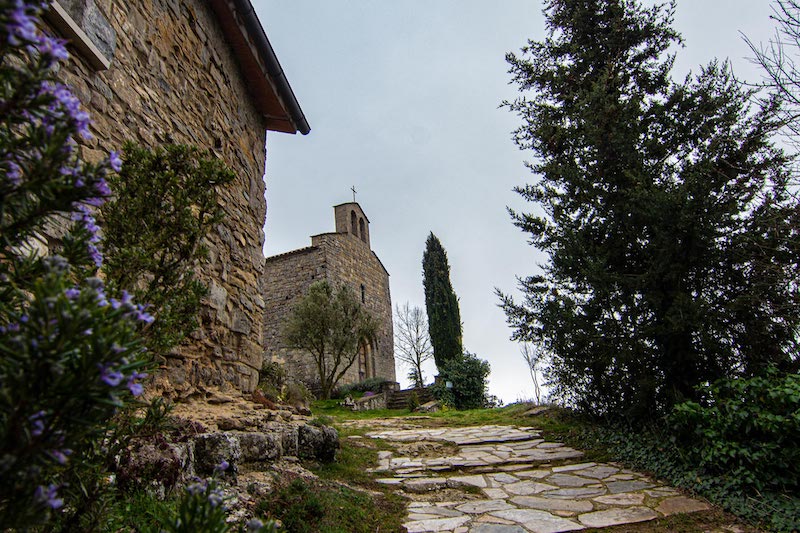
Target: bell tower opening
[(350, 218)]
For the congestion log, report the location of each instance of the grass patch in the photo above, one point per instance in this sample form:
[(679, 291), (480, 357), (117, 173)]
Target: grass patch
[(355, 458), (324, 507), (335, 410), (138, 511)]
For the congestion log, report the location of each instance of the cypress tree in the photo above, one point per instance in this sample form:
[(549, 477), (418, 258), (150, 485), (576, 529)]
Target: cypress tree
[(664, 209), (441, 304)]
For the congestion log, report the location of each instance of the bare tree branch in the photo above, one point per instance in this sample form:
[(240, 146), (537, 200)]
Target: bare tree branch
[(411, 340)]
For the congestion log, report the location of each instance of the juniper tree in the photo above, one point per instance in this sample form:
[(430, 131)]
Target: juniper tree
[(663, 209), (441, 304)]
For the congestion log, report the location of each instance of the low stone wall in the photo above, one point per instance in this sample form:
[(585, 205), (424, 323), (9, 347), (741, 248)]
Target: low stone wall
[(368, 403), (157, 464)]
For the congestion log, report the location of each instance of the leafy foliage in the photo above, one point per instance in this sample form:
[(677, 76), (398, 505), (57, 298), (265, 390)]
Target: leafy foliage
[(375, 385), (306, 506), (653, 449), (468, 375), (202, 509), (745, 428), (165, 203), (331, 325), (665, 212), (412, 343), (441, 304)]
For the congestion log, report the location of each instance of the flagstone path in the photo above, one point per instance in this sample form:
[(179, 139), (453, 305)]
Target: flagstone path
[(515, 482)]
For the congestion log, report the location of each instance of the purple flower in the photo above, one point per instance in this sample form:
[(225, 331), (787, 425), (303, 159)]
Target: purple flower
[(112, 378), (136, 388), (14, 174), (115, 161), (61, 455), (221, 467), (22, 27), (72, 106), (198, 487), (136, 374), (254, 524), (54, 48), (215, 497), (97, 201), (49, 496), (102, 188), (37, 423), (95, 255), (72, 293), (143, 316)]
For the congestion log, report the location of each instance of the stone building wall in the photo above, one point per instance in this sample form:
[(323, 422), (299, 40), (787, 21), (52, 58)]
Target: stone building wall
[(341, 257), (286, 279), (173, 79), (351, 261)]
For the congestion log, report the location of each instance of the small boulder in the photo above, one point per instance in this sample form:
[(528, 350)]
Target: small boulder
[(148, 464), (211, 449), (317, 442), (429, 407)]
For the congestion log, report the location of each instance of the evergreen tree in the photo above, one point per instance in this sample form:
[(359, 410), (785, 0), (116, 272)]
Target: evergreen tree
[(664, 210), (441, 304)]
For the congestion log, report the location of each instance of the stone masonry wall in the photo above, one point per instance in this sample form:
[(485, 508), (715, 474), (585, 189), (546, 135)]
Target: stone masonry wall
[(351, 261), (173, 79), (337, 258), (286, 280)]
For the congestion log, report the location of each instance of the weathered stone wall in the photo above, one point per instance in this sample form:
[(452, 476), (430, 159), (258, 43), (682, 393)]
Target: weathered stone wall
[(173, 79), (337, 258), (349, 260), (286, 280), (350, 218)]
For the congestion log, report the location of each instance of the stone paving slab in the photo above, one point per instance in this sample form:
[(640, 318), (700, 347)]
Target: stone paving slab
[(533, 496)]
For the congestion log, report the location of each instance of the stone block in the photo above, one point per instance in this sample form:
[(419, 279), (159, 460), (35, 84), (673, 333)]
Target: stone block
[(211, 449)]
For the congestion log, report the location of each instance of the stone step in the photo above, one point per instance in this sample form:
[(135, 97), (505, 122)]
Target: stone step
[(399, 399)]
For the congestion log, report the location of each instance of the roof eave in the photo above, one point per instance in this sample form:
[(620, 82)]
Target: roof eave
[(272, 93)]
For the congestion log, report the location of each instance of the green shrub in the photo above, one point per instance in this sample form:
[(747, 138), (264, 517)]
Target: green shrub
[(737, 447), (747, 429), (313, 506), (468, 375), (413, 401), (271, 380), (295, 393), (165, 202), (652, 449), (273, 374), (375, 385)]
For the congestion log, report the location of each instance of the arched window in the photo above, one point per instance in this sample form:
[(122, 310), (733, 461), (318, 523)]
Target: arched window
[(363, 231), (353, 226)]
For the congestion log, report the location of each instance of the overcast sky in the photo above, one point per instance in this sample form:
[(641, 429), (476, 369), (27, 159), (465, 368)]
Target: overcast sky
[(402, 97)]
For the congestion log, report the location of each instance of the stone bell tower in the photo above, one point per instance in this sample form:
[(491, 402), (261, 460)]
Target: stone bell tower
[(343, 257), (350, 218)]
